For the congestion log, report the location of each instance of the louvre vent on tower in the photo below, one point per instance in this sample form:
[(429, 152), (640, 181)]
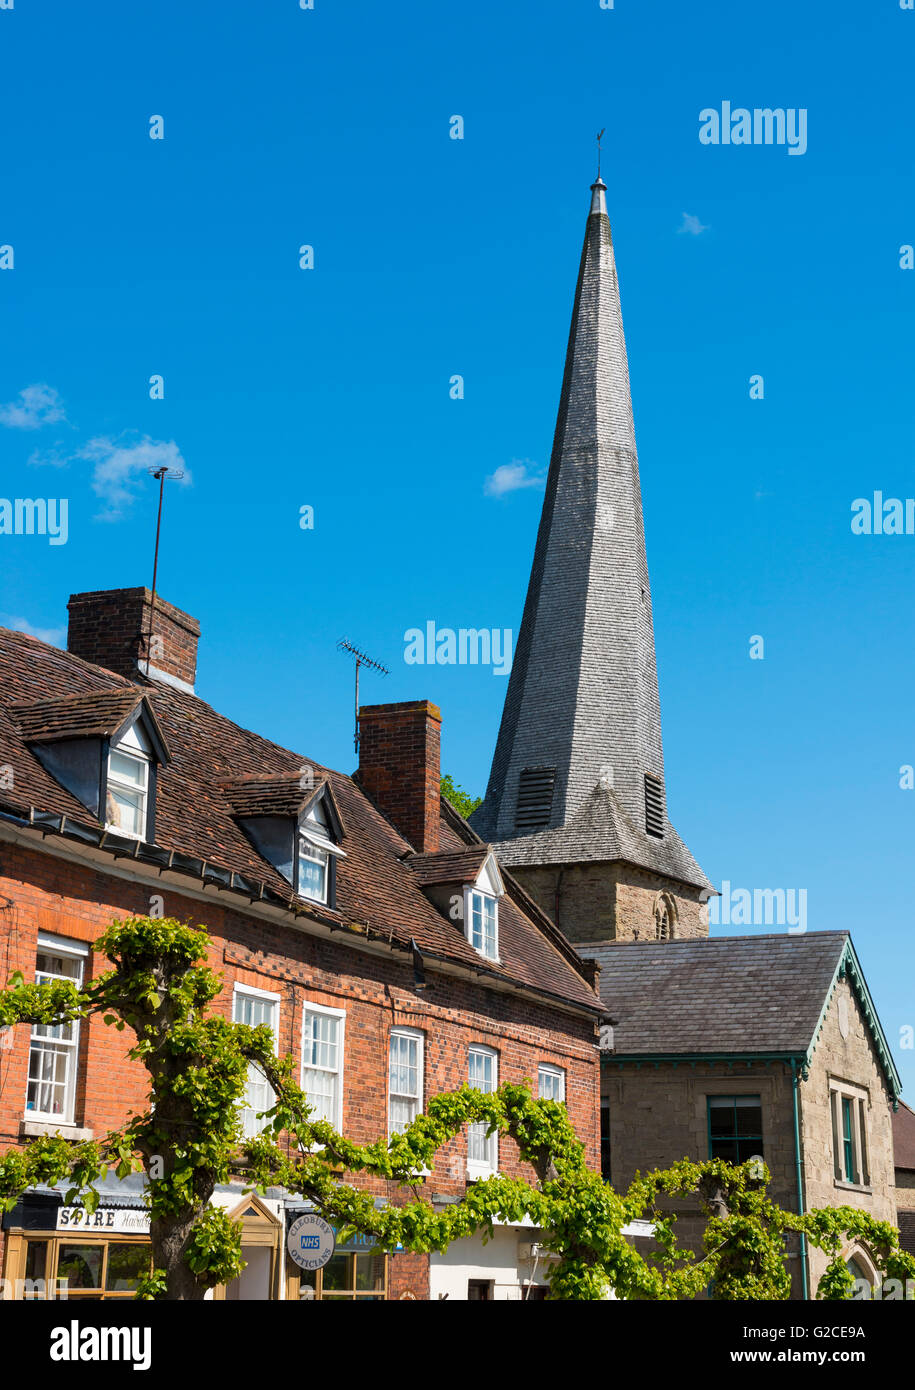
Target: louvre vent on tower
[(654, 806), (535, 797)]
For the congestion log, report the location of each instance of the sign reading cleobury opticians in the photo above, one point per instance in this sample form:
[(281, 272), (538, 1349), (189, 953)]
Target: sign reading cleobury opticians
[(116, 1220)]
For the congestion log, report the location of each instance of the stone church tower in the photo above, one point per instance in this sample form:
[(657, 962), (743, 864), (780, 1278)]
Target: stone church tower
[(576, 801)]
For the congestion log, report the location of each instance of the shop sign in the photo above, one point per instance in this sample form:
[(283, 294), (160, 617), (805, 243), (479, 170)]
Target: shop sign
[(108, 1220), (310, 1241)]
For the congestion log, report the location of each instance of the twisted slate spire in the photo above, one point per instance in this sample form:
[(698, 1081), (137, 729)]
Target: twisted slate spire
[(582, 699)]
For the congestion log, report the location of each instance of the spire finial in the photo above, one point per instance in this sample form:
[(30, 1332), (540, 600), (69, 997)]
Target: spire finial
[(598, 187)]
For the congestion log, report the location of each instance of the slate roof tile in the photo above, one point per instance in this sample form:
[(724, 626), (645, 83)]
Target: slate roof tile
[(720, 995)]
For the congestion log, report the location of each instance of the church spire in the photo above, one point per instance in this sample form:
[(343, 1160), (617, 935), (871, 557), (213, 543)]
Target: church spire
[(578, 771)]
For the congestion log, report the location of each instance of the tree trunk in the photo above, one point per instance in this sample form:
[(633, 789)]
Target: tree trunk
[(170, 1238)]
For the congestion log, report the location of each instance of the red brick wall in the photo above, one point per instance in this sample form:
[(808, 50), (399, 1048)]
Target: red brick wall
[(376, 991), (110, 628), (400, 767)]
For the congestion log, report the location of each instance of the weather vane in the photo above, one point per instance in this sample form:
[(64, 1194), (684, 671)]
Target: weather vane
[(599, 137)]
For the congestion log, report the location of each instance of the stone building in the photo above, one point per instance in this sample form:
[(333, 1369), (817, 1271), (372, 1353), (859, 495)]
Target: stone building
[(734, 1048), (576, 800), (330, 901)]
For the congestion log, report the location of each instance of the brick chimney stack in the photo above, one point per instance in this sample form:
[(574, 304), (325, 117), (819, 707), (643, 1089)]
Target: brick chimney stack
[(400, 767), (110, 628)]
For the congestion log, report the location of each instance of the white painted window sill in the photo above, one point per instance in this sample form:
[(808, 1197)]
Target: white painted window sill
[(37, 1129), (475, 1174)]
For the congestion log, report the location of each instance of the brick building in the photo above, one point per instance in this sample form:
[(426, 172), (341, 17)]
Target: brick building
[(765, 1046), (359, 916)]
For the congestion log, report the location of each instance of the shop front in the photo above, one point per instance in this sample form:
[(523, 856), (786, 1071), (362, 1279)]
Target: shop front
[(53, 1251), (354, 1272), (56, 1251)]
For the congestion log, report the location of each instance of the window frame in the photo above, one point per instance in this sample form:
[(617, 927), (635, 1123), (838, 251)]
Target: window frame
[(49, 944), (550, 1069), (308, 852), (734, 1096), (340, 1015), (275, 998), (487, 1167), (415, 1034), (112, 780), (471, 891), (300, 1281), (842, 1093), (315, 843), (53, 1242)]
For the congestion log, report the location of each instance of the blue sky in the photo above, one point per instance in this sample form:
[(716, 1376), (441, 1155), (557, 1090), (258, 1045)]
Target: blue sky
[(435, 257)]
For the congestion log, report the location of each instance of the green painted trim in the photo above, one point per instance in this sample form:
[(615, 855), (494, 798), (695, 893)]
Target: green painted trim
[(797, 1072), (849, 967)]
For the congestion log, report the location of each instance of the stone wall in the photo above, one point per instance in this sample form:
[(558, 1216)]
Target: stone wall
[(659, 1114), (849, 1059), (611, 901)]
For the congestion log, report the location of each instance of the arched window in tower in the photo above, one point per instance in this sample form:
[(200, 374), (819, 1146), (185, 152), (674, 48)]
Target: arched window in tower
[(665, 917)]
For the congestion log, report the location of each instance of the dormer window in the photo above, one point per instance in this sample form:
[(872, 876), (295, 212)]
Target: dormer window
[(295, 829), (316, 852), (127, 783), (465, 886), (106, 749), (481, 909)]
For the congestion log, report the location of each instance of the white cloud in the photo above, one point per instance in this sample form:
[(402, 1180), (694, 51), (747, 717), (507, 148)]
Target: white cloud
[(120, 466), (509, 477), (55, 636), (34, 406), (49, 458), (691, 226)]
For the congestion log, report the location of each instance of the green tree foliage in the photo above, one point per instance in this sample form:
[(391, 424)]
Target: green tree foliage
[(189, 1140), (461, 801)]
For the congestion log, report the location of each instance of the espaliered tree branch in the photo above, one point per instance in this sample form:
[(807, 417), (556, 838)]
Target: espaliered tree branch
[(189, 1140)]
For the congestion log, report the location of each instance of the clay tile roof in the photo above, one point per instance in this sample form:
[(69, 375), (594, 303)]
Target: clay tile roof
[(449, 867), (267, 796), (904, 1136), (215, 765), (77, 716)]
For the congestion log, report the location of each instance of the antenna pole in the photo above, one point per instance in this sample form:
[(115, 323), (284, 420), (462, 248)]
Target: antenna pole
[(361, 660), (160, 474)]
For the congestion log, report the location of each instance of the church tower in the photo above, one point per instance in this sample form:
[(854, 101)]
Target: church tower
[(576, 800)]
